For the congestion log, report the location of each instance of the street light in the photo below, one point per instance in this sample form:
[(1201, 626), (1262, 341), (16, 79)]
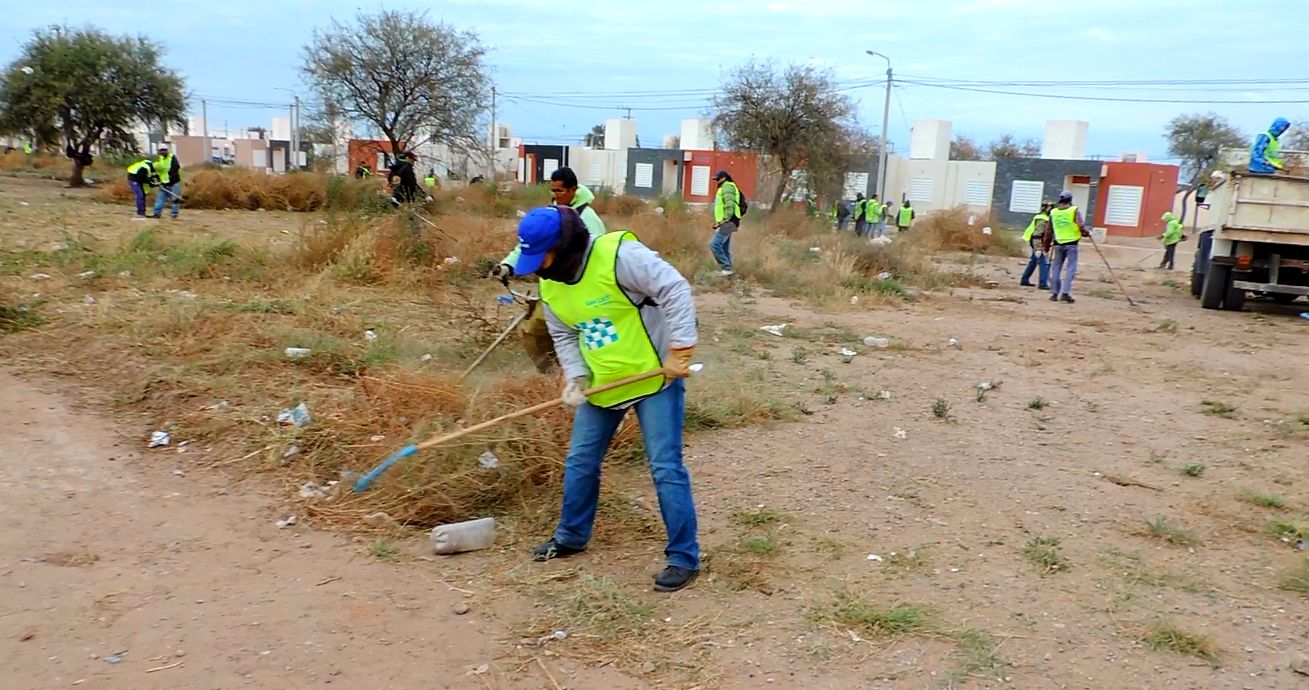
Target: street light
[(293, 113), (886, 121)]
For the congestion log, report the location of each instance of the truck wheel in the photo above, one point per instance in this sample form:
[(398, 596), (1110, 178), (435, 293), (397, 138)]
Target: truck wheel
[(1215, 286), (1197, 283), (1234, 300)]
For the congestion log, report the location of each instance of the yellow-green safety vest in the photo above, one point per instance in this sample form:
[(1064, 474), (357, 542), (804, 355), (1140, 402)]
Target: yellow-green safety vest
[(163, 165), (1066, 230), (429, 181), (610, 332), (906, 216), (1271, 153), (131, 169), (722, 214), (27, 149), (873, 210), (1031, 227)]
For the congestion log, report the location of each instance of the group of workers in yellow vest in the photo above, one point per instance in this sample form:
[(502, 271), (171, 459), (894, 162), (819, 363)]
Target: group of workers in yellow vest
[(163, 172), (1056, 230), (870, 216), (614, 310)]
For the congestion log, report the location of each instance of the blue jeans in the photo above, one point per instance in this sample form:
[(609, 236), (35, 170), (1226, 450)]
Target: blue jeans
[(1064, 254), (139, 192), (878, 229), (164, 196), (1041, 260), (661, 416), (721, 244), (842, 223)]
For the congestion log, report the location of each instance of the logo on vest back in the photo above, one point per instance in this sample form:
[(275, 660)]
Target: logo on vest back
[(597, 333)]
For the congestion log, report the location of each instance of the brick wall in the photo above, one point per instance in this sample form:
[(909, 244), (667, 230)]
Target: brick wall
[(1051, 173)]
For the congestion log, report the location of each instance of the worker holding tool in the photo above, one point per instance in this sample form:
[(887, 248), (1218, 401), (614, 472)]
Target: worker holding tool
[(169, 171), (403, 179), (727, 220), (1068, 228), (1034, 236), (616, 309), (565, 190), (1265, 155), (139, 177), (1172, 235)]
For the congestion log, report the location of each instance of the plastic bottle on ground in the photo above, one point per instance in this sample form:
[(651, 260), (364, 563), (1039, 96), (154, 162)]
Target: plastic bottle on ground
[(470, 535)]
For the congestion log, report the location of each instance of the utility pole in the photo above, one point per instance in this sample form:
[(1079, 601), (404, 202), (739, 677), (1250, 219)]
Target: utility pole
[(494, 144), (628, 116), (295, 153), (886, 122), (204, 131)]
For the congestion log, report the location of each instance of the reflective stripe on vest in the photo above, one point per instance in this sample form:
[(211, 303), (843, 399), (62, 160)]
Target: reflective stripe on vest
[(906, 216), (1274, 148), (1064, 221), (610, 332), (164, 166)]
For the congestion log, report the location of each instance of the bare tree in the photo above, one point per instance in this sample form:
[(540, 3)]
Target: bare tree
[(414, 80), (1006, 146), (963, 148), (1297, 137), (1196, 141), (793, 116)]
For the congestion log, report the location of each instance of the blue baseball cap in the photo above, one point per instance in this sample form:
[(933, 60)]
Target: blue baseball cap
[(538, 232)]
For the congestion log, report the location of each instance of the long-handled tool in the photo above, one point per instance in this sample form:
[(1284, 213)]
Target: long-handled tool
[(363, 483), (1111, 270), (482, 357)]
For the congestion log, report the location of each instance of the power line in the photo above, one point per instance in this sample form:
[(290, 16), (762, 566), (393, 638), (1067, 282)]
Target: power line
[(1107, 99)]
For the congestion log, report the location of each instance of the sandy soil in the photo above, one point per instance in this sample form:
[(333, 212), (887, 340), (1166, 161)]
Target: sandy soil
[(103, 549)]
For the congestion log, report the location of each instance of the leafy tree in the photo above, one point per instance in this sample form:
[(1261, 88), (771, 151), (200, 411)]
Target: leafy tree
[(963, 148), (414, 80), (793, 116), (87, 88), (595, 138), (1196, 141), (1006, 146)]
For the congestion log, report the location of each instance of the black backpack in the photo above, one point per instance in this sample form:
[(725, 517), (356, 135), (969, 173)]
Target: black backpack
[(741, 203)]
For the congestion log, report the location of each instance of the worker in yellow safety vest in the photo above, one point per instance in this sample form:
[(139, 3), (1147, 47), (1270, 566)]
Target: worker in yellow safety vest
[(1034, 236), (169, 172), (1069, 228), (904, 218), (1265, 155), (616, 310), (140, 177)]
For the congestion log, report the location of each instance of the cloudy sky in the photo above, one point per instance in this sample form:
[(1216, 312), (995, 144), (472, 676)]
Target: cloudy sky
[(663, 59)]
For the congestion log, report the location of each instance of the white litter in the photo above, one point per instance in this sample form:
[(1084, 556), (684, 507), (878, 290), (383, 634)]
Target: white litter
[(370, 335), (874, 557), (776, 330), (522, 214), (854, 299), (283, 524), (879, 343), (953, 342), (40, 276), (298, 352), (885, 275), (880, 241), (885, 395), (901, 433), (298, 415), (488, 460), (451, 260), (986, 230), (160, 438), (659, 210), (425, 358), (312, 490), (88, 300), (86, 274)]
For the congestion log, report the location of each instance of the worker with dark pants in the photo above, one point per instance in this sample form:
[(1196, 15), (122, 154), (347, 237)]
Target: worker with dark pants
[(139, 177), (1171, 237), (859, 208), (904, 218), (616, 310), (1034, 235), (1069, 228)]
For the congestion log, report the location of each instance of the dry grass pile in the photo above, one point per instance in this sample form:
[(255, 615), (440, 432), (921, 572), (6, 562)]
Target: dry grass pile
[(225, 188), (950, 230), (17, 160)]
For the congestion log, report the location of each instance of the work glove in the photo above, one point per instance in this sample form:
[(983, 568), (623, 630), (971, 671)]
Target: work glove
[(679, 362), (574, 394), (154, 180), (504, 271)]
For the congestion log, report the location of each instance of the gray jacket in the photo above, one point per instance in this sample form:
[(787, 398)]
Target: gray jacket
[(669, 314)]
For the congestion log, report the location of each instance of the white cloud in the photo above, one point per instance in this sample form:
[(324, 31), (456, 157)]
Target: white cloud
[(1101, 34)]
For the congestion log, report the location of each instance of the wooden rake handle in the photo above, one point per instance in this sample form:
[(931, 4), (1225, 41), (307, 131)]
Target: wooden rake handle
[(366, 480)]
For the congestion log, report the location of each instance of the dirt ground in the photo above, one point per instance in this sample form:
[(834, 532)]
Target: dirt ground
[(902, 485)]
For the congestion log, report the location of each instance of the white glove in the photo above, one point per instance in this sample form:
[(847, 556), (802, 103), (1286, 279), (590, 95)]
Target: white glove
[(574, 392)]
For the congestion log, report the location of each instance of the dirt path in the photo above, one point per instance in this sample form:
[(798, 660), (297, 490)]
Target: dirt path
[(103, 553)]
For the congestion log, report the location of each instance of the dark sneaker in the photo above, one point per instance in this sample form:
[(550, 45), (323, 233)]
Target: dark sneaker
[(1043, 287), (553, 549), (1068, 298), (1021, 284), (1054, 298), (674, 578)]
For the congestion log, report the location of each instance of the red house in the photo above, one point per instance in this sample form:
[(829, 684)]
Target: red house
[(1133, 197)]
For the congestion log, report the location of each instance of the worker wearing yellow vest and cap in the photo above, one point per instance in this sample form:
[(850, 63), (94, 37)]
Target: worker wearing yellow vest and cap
[(1171, 237), (169, 172), (1069, 228), (1034, 236), (140, 177), (616, 310)]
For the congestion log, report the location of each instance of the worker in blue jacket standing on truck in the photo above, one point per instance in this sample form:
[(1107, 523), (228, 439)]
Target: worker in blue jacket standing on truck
[(1265, 155)]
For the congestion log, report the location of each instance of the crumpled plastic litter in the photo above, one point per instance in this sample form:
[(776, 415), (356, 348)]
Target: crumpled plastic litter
[(160, 438), (298, 415)]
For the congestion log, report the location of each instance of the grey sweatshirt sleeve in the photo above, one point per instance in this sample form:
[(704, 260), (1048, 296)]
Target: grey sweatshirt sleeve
[(566, 346), (643, 274)]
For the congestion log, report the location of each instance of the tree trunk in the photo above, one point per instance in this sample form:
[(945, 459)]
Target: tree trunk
[(76, 179), (781, 191)]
